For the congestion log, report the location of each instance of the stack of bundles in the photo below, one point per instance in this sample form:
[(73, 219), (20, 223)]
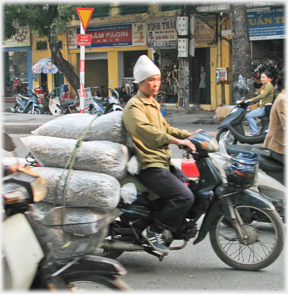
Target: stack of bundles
[(100, 161), (108, 127)]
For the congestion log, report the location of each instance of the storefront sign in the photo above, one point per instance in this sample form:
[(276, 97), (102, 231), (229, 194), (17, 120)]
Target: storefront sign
[(139, 34), (109, 36), (162, 33), (204, 31), (72, 38), (20, 39), (266, 24)]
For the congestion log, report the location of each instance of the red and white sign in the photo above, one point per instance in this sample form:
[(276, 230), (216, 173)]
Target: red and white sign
[(84, 40)]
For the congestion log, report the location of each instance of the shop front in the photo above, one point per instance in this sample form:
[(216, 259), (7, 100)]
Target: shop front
[(17, 64), (163, 41), (113, 52)]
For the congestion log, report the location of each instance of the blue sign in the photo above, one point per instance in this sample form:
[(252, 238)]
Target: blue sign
[(266, 24)]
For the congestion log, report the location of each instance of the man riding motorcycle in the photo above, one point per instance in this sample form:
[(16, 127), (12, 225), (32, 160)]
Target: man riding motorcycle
[(151, 137)]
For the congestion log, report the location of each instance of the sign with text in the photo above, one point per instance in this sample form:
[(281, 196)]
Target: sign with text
[(266, 24), (204, 31), (162, 33), (87, 99), (83, 40), (118, 35), (221, 74)]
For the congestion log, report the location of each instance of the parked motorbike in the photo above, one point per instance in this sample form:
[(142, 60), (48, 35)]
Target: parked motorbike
[(270, 176), (105, 105), (57, 106), (231, 128), (41, 94), (28, 104), (246, 232), (27, 262)]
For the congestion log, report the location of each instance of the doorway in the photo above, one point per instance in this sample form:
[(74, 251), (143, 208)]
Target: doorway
[(201, 58)]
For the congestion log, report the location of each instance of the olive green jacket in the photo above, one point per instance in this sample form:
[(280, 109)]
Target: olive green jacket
[(266, 96), (150, 132)]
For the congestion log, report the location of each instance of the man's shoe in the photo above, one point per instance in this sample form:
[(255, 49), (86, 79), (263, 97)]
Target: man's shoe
[(155, 240)]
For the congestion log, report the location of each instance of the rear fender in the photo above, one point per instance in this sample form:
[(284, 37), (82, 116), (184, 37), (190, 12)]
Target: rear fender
[(224, 206), (96, 264)]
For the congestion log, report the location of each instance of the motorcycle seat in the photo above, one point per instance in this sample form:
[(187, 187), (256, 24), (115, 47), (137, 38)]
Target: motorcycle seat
[(67, 102), (266, 163)]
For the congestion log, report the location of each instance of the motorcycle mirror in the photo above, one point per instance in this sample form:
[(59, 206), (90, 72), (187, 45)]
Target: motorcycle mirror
[(7, 143)]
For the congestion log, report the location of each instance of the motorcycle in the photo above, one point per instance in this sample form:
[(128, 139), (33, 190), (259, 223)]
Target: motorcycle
[(28, 104), (270, 182), (105, 105), (246, 232), (27, 261), (57, 106), (231, 128), (41, 94)]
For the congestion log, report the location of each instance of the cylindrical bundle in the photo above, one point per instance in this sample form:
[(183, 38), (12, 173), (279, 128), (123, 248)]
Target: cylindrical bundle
[(83, 188), (83, 221), (108, 127), (98, 156)]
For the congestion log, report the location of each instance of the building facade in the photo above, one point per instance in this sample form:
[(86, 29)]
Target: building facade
[(121, 33)]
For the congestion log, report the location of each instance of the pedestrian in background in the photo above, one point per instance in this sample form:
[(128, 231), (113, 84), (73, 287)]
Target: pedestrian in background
[(275, 139), (202, 86), (67, 95)]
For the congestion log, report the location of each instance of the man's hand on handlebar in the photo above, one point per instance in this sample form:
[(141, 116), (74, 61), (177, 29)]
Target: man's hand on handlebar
[(194, 133), (184, 143), (248, 100)]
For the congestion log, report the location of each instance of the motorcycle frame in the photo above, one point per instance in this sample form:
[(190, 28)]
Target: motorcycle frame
[(223, 206), (30, 102)]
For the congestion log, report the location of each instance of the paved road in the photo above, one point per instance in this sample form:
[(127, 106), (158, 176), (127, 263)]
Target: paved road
[(195, 267)]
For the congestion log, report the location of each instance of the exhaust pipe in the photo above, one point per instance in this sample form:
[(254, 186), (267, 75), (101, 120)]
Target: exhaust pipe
[(121, 246)]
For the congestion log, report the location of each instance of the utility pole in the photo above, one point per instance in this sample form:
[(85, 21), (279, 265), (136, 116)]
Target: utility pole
[(185, 50)]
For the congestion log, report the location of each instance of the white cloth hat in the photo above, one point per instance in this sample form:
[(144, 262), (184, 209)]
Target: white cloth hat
[(144, 68)]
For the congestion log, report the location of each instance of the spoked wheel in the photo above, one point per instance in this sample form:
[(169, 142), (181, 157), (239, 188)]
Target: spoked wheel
[(92, 282), (35, 110), (264, 243), (227, 135)]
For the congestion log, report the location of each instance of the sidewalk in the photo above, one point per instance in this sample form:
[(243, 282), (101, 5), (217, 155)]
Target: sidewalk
[(21, 123)]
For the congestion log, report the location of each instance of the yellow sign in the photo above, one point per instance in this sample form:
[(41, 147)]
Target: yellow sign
[(84, 15)]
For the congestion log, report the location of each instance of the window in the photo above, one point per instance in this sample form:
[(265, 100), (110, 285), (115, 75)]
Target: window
[(41, 45), (133, 9), (169, 7)]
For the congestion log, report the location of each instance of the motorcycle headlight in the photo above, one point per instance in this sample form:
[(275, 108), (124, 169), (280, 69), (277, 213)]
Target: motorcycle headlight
[(22, 186)]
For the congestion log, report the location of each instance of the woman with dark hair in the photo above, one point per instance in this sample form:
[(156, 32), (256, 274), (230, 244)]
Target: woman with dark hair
[(265, 98), (275, 139)]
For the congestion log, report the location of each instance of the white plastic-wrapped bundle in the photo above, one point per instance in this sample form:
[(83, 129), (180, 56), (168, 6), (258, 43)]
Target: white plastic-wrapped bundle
[(108, 127), (98, 156), (83, 188), (84, 221)]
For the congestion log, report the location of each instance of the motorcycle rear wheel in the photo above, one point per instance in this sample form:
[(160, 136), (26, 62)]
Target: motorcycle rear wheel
[(265, 238), (230, 139), (36, 110), (91, 282)]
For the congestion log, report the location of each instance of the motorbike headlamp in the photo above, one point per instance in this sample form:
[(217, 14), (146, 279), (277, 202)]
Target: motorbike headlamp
[(20, 186)]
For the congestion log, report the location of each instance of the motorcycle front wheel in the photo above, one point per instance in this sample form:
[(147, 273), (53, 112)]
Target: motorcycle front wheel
[(91, 282), (264, 243), (230, 137), (35, 110)]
